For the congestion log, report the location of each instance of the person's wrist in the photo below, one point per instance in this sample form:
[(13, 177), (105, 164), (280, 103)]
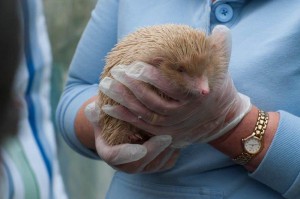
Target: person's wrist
[(231, 143), (249, 119), (233, 113)]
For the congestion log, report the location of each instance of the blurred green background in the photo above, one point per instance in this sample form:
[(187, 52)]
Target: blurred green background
[(66, 20)]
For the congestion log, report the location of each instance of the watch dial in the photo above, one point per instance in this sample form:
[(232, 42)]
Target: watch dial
[(252, 145)]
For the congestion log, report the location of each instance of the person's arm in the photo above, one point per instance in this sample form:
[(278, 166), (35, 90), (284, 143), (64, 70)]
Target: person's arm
[(77, 117), (231, 144), (97, 40), (278, 164)]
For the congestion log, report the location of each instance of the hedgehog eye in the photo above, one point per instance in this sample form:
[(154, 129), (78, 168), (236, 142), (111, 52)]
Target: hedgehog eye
[(181, 69)]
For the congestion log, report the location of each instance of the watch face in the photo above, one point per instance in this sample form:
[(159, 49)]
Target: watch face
[(252, 145)]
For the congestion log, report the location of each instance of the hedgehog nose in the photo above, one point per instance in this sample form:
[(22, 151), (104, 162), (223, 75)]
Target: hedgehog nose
[(205, 92), (202, 85)]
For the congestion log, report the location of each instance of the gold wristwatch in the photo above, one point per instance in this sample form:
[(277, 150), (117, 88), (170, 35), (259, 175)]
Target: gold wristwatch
[(253, 144)]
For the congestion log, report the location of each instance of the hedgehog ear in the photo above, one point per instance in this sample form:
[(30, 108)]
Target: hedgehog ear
[(221, 40)]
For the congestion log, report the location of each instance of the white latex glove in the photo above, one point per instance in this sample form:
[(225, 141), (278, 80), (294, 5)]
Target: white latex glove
[(153, 156), (190, 117)]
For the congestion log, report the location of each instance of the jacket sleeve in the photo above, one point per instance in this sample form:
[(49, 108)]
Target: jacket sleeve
[(280, 168), (97, 40)]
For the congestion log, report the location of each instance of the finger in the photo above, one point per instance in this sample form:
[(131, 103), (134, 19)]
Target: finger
[(154, 146), (141, 119), (92, 112), (144, 93), (152, 75), (122, 113), (119, 154), (119, 93)]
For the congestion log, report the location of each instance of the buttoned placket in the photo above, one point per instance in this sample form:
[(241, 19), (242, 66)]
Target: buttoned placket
[(225, 12)]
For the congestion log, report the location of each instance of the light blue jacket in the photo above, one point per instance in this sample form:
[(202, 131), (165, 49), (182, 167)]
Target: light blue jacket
[(265, 65)]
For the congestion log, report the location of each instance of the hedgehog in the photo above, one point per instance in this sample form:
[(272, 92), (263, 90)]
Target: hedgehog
[(185, 56)]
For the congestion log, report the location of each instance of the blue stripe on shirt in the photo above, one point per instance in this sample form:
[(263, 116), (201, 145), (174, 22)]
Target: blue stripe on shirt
[(10, 181), (28, 98)]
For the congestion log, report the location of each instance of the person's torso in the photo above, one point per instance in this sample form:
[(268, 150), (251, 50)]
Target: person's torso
[(265, 50)]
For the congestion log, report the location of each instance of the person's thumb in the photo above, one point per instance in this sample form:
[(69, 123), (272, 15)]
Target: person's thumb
[(92, 112)]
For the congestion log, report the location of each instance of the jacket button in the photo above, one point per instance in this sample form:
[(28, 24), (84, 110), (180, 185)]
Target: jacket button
[(224, 13)]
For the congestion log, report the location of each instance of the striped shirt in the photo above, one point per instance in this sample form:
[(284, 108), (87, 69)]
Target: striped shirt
[(30, 166)]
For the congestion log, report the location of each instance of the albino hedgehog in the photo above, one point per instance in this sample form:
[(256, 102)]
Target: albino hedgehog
[(186, 56)]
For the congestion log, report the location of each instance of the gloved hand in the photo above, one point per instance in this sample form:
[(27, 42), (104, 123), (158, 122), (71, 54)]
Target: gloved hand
[(188, 118), (153, 156)]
